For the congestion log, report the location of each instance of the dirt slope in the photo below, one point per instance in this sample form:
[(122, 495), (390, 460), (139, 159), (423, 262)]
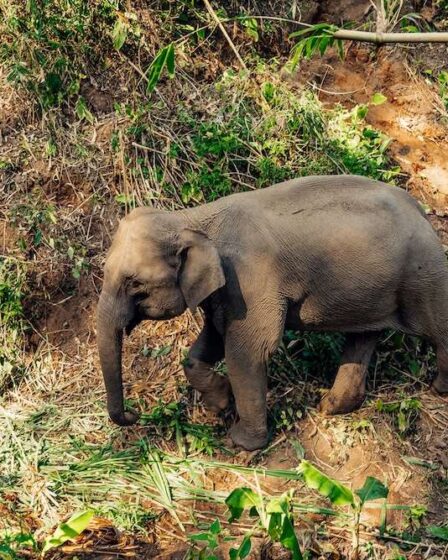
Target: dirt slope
[(412, 116)]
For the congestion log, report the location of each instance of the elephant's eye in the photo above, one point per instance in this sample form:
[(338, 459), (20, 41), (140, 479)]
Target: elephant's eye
[(135, 286)]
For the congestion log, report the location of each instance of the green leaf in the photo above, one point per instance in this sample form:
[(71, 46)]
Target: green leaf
[(82, 111), (324, 42), (165, 57), (215, 527), (298, 448), (155, 69), (53, 82), (280, 525), (199, 537), (240, 499), (278, 505), (336, 492), (268, 90), (361, 111), (316, 38), (281, 530), (243, 550), (68, 530), (25, 539), (251, 26), (372, 489), (170, 62), (438, 532), (289, 540), (378, 99), (327, 28), (119, 34), (410, 29), (305, 31), (160, 351)]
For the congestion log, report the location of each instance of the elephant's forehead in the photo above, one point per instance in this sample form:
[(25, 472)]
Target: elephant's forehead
[(152, 231), (131, 252), (130, 241), (140, 258)]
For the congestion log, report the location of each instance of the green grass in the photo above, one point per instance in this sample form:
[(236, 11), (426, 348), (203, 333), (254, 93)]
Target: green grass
[(248, 144), (47, 46), (12, 324)]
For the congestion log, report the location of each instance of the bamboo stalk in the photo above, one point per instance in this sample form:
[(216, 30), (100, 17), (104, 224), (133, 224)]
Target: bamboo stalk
[(212, 12), (382, 38)]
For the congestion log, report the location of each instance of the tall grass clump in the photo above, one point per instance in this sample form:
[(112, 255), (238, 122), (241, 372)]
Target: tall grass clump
[(12, 324), (252, 133), (49, 47)]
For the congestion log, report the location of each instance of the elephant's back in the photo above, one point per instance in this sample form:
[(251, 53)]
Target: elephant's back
[(337, 195)]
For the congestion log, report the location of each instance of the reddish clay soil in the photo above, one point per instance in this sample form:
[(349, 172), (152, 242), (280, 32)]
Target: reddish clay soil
[(413, 116)]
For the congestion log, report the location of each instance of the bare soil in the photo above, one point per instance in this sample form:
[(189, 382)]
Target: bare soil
[(412, 116)]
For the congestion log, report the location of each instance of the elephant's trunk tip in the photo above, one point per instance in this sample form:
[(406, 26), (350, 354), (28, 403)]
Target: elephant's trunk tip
[(127, 418)]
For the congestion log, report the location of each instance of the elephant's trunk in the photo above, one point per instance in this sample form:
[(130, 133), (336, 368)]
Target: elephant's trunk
[(110, 339)]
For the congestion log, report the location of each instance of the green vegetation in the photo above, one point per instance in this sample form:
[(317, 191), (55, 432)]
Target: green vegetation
[(443, 87), (292, 136), (12, 324), (12, 546), (47, 46), (69, 530), (169, 422), (405, 412), (274, 517)]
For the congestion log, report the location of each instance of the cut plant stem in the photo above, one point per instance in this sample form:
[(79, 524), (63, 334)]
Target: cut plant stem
[(382, 38), (224, 32)]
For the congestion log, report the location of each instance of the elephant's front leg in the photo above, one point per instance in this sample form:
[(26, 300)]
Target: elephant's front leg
[(247, 352), (249, 384), (203, 355)]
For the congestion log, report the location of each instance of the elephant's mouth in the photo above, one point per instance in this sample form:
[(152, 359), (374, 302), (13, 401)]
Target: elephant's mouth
[(159, 313)]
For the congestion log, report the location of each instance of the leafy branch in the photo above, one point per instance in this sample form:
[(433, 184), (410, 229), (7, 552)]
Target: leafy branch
[(275, 518), (319, 37)]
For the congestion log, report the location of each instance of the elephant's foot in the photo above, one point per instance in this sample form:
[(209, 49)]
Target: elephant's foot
[(336, 403), (440, 385), (217, 398), (215, 389), (128, 418), (246, 439), (348, 391), (349, 388)]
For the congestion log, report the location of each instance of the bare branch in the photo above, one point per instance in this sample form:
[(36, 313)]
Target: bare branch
[(381, 38)]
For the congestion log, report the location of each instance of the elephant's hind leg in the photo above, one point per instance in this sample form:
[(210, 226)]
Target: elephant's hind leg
[(203, 355), (349, 388), (440, 383)]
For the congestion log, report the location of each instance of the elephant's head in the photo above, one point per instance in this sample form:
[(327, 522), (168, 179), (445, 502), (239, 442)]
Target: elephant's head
[(156, 267)]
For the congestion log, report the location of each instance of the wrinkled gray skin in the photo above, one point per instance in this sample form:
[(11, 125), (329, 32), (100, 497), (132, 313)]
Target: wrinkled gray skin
[(330, 253)]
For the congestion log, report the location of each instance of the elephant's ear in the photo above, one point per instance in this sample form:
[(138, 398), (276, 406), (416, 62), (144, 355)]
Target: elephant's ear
[(201, 272)]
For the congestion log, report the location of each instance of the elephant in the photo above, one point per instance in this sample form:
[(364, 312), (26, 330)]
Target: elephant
[(320, 253)]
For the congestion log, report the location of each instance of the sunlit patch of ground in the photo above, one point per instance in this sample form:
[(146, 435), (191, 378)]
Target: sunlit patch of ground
[(413, 115)]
